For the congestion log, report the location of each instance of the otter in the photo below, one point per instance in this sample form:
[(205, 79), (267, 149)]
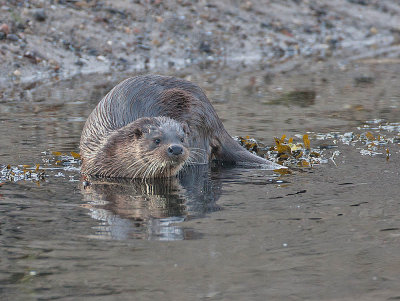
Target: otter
[(152, 126)]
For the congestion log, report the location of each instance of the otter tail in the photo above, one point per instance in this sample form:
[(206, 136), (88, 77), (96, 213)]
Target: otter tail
[(231, 151)]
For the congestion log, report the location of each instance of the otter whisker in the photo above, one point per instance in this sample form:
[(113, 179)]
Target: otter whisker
[(143, 176), (154, 169), (135, 164), (189, 162), (139, 171), (149, 169), (201, 159), (198, 150), (164, 167), (158, 168), (195, 154)]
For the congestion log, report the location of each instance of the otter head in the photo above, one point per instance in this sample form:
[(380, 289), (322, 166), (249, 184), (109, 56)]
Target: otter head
[(153, 147)]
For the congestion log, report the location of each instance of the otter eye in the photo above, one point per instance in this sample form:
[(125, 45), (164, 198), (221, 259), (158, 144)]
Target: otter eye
[(157, 141)]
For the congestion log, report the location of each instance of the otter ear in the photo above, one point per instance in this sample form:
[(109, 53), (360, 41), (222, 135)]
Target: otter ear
[(138, 132)]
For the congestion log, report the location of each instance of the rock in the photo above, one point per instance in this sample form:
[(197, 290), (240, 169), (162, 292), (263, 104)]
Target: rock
[(4, 28), (12, 37), (205, 47), (360, 2), (40, 15), (33, 56), (17, 73), (80, 62), (144, 47), (247, 5), (2, 35), (93, 52), (363, 80), (265, 25), (373, 30), (156, 42)]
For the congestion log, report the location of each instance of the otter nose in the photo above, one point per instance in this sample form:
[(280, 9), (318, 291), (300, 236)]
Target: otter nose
[(175, 150)]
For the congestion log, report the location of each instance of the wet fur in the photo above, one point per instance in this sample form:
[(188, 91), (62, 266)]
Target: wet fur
[(110, 143)]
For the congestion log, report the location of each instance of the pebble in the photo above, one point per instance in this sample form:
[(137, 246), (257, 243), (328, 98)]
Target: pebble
[(12, 37), (40, 15), (373, 30), (156, 42), (100, 58), (17, 73), (247, 5), (4, 28), (144, 47), (93, 52), (33, 56), (205, 47), (80, 62)]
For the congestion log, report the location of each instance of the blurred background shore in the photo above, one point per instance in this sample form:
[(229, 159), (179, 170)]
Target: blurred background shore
[(44, 41)]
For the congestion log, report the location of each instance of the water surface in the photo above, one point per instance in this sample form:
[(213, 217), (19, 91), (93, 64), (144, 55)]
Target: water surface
[(327, 232)]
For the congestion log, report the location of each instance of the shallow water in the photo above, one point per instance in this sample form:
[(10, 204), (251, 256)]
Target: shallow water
[(330, 232)]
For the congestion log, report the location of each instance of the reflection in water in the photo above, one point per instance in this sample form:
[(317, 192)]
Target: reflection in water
[(151, 209)]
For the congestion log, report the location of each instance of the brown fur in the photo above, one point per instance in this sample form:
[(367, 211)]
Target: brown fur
[(118, 135)]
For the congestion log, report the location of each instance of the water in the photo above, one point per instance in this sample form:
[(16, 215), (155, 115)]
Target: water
[(330, 232)]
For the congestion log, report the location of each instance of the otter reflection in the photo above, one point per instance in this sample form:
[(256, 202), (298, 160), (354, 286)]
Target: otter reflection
[(151, 209)]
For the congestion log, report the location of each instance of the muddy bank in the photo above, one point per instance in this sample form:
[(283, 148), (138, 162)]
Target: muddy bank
[(44, 41)]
